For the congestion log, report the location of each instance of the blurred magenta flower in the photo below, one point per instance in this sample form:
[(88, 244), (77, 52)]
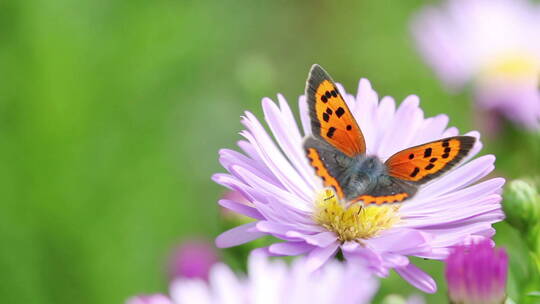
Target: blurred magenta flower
[(193, 259), (149, 299), (492, 44), (476, 274), (286, 197), (275, 282)]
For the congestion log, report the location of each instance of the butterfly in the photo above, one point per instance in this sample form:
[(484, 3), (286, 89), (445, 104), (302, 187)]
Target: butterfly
[(336, 149)]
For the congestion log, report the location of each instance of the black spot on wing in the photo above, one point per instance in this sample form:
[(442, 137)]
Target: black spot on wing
[(330, 132), (339, 112), (325, 117), (415, 172)]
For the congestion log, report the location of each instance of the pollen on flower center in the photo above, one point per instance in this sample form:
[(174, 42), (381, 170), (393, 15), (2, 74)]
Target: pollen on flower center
[(353, 222)]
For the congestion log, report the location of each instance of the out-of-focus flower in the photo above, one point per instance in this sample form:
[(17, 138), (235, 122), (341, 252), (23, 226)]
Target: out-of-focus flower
[(493, 44), (149, 299), (476, 274), (275, 282), (288, 200), (192, 259), (522, 204)]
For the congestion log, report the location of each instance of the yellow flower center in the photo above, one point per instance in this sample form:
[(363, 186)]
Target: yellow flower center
[(516, 66), (353, 222)]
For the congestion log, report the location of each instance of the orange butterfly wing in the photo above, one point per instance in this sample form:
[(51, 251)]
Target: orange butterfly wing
[(330, 116), (425, 162)]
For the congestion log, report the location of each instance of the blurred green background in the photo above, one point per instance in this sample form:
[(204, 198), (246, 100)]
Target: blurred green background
[(112, 113)]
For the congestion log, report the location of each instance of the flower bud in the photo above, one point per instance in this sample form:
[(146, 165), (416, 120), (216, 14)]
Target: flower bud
[(521, 204)]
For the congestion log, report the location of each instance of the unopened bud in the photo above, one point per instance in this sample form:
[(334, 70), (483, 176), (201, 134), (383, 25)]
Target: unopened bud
[(522, 203)]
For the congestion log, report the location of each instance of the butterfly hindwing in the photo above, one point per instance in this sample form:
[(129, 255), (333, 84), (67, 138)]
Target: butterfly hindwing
[(339, 171), (323, 158), (425, 162), (387, 190), (331, 119)]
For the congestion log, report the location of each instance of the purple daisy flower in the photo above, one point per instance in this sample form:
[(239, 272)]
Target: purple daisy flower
[(273, 282), (494, 44), (477, 274), (287, 199)]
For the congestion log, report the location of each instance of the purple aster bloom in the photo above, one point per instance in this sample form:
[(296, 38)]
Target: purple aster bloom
[(192, 259), (493, 44), (275, 282), (288, 201), (477, 274), (149, 299)]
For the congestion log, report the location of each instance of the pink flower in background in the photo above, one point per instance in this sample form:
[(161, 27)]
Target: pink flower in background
[(477, 274), (493, 45), (286, 196), (149, 299), (193, 259), (274, 282)]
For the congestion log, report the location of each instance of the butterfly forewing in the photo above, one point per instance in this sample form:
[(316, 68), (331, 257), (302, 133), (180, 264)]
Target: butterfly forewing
[(330, 116), (425, 162)]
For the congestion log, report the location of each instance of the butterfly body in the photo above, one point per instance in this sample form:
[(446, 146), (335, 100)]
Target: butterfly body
[(358, 175), (337, 152)]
